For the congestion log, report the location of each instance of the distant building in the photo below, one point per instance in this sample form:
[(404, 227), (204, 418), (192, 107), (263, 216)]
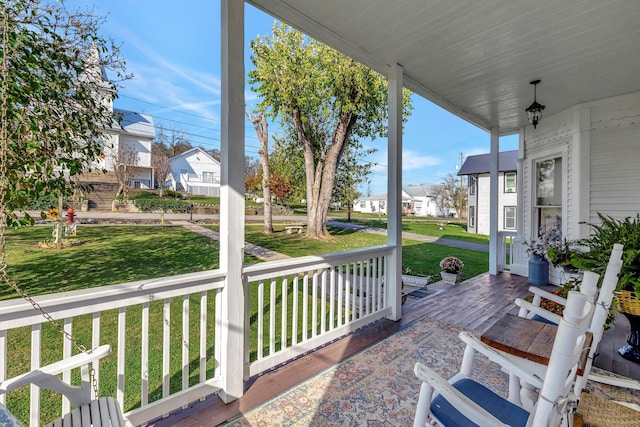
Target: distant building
[(130, 132), (418, 200), (196, 172), (476, 169)]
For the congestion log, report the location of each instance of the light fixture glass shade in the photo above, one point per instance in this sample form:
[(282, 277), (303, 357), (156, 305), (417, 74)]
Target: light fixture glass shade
[(534, 112)]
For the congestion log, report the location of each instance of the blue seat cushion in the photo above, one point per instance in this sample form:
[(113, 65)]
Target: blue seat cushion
[(542, 319), (497, 406)]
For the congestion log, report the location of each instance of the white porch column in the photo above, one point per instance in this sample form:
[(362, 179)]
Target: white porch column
[(581, 144), (230, 315), (493, 202), (393, 271)]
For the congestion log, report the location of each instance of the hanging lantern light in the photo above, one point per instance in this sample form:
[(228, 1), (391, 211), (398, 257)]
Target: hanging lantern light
[(534, 111)]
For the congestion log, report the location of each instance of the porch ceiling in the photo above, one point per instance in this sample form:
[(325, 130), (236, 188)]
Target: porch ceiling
[(476, 58)]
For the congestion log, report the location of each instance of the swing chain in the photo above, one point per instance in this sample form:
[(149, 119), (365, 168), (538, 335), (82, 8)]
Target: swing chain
[(81, 348)]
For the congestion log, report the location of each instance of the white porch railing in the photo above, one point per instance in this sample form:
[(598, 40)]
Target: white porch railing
[(163, 331), (161, 387), (506, 249), (306, 302)]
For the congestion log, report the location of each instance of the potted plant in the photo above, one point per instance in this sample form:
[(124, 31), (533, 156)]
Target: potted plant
[(451, 267), (538, 250), (560, 255), (597, 248)]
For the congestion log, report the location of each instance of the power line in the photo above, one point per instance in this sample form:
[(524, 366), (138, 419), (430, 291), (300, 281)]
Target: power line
[(185, 113)]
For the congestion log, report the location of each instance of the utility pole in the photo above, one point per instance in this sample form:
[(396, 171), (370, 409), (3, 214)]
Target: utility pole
[(460, 195)]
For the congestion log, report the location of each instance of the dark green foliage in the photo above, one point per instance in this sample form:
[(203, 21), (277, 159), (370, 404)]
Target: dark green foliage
[(170, 194), (43, 202), (600, 243), (143, 194), (55, 101), (173, 205)]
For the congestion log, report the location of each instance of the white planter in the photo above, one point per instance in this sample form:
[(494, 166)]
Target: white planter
[(451, 278)]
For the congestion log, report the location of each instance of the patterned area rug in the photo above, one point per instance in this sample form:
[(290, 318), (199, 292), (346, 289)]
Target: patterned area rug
[(376, 387)]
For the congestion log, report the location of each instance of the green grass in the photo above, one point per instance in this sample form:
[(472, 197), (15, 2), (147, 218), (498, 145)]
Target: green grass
[(116, 254), (104, 255), (430, 227), (417, 257)]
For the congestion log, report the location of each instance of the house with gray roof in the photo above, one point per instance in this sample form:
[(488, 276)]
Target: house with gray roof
[(476, 169), (418, 200)]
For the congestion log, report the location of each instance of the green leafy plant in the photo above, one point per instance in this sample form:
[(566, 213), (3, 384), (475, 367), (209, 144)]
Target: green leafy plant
[(600, 242)]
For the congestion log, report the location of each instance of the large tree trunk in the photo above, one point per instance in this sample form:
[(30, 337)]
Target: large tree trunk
[(260, 124), (321, 175)]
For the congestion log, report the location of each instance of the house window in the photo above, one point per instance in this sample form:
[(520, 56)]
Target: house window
[(209, 177), (363, 204), (548, 189), (510, 182), (509, 218), (472, 216), (137, 184), (472, 185)]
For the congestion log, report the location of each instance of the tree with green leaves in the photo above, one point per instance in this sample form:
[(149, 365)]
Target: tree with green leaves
[(327, 99), (55, 104), (451, 195)]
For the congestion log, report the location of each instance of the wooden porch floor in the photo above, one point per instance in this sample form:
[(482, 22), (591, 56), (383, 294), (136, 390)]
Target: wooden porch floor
[(474, 304)]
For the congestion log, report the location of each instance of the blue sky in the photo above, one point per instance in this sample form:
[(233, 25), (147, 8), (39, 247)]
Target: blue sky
[(173, 50)]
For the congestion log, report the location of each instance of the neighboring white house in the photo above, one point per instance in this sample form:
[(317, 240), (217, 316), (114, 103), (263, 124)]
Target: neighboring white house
[(418, 200), (424, 200), (476, 169), (134, 133), (196, 172), (127, 140)]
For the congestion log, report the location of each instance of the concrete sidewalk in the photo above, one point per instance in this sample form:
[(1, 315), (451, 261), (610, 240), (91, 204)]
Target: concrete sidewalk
[(413, 236), (249, 248)]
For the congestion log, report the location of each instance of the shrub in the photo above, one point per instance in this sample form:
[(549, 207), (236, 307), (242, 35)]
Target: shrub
[(142, 194), (149, 204)]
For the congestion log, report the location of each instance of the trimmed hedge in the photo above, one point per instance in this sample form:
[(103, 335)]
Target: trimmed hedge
[(149, 204)]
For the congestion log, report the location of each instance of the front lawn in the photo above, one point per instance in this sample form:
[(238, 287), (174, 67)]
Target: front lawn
[(116, 254)]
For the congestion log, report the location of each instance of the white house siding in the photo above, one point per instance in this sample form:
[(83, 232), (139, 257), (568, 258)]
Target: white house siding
[(603, 137), (481, 203), (188, 169), (615, 157)]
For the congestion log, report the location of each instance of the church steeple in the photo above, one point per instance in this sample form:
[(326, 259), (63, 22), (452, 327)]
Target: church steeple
[(96, 74)]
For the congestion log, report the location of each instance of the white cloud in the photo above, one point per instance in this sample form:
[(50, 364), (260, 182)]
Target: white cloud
[(413, 160)]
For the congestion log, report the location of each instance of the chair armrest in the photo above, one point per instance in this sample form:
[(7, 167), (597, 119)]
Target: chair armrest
[(512, 364), (464, 405), (47, 376), (615, 381), (529, 310), (46, 372), (548, 295)]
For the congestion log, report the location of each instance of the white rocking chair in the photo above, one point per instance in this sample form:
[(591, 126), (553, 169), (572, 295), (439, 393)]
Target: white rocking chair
[(99, 412), (464, 402), (603, 300)]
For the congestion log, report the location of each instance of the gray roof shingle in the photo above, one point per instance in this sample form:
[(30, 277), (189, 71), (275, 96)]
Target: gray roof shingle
[(480, 163)]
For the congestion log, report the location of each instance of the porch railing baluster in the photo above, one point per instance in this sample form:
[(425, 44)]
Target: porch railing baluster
[(144, 362), (185, 342)]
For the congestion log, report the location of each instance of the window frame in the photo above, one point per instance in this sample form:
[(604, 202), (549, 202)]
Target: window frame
[(509, 189), (537, 220), (514, 217)]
